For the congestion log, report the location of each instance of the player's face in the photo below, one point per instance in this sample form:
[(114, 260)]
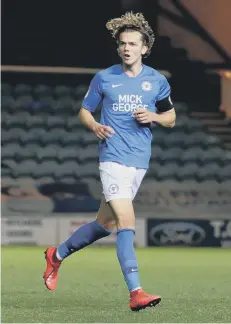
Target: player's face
[(131, 47)]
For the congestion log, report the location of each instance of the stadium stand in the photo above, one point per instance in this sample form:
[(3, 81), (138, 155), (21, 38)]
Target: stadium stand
[(43, 139)]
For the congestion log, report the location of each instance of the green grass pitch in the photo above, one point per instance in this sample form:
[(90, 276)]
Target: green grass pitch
[(195, 285)]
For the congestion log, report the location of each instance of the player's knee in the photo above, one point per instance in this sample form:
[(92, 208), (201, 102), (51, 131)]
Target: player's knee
[(107, 224), (125, 223)]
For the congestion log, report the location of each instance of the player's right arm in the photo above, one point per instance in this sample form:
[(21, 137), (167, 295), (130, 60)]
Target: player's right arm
[(101, 131), (91, 100)]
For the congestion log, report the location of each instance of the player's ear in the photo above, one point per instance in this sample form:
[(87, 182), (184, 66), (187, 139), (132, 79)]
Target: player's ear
[(118, 51), (144, 49)]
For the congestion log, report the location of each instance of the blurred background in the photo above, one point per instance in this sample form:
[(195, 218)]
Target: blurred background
[(49, 171)]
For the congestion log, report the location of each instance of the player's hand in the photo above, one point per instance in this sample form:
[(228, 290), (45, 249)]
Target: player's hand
[(143, 115), (102, 131)]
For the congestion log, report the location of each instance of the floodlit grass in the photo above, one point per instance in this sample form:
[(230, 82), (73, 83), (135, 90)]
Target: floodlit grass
[(195, 285)]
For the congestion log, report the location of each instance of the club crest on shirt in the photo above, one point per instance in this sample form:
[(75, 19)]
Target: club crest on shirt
[(146, 86), (113, 188)]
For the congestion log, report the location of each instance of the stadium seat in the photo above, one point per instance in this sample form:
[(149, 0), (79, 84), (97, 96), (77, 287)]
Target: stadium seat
[(54, 136), (66, 169), (71, 139), (90, 152), (198, 138), (157, 153), (4, 119), (62, 91), (168, 172), (24, 103), (188, 172), (65, 106), (6, 89), (29, 138), (25, 168), (193, 154), (14, 134), (224, 173), (74, 124), (193, 125), (181, 108), (17, 120), (181, 123), (27, 153), (8, 164), (33, 136), (35, 121), (6, 173), (22, 90), (56, 121), (159, 136), (39, 131), (153, 170), (8, 103), (43, 137), (88, 138), (226, 158), (10, 151), (32, 149), (214, 154), (175, 139), (89, 169), (68, 154), (45, 169), (6, 137), (80, 91), (212, 141), (47, 153), (42, 90), (209, 171), (171, 154), (47, 105)]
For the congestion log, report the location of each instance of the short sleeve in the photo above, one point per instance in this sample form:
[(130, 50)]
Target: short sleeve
[(165, 89), (94, 94)]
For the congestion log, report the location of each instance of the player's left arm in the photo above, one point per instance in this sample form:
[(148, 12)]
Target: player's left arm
[(165, 115), (166, 119)]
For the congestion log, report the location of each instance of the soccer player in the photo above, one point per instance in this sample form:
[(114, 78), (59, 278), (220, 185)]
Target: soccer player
[(134, 97)]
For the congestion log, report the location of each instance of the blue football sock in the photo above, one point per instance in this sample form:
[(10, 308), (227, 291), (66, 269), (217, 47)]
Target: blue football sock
[(83, 236), (127, 258)]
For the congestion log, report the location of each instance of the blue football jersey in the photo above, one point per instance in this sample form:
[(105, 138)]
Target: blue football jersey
[(121, 95)]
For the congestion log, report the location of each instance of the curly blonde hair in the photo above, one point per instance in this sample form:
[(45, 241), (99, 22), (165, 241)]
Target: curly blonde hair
[(131, 21)]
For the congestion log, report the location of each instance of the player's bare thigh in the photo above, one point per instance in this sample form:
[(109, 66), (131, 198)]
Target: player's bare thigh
[(117, 212), (124, 213), (105, 216)]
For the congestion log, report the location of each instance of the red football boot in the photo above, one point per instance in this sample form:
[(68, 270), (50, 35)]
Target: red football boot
[(51, 274), (140, 300)]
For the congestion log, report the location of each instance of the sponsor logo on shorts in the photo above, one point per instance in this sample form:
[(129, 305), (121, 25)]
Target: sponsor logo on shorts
[(113, 188)]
